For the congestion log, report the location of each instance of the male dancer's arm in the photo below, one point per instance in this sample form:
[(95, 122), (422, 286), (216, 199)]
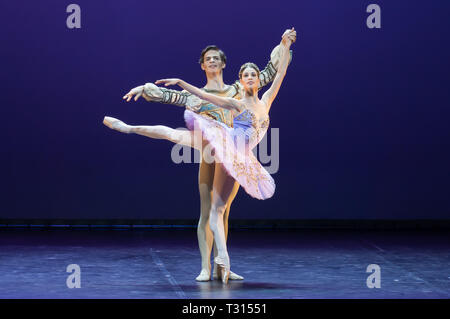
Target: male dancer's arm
[(152, 93), (272, 92), (268, 73)]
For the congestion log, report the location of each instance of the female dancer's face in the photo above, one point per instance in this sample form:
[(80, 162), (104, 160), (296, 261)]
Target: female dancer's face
[(250, 79), (212, 62)]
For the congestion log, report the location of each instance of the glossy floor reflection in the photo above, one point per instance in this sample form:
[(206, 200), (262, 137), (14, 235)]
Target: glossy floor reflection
[(276, 264)]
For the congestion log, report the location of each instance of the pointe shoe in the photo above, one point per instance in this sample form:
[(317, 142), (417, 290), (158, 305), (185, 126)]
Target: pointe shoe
[(223, 268), (205, 275), (116, 124), (233, 276)]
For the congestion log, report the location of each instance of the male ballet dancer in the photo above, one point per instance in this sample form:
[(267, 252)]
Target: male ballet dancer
[(212, 61)]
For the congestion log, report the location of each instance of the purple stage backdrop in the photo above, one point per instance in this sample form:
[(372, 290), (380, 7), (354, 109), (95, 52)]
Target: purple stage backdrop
[(362, 114)]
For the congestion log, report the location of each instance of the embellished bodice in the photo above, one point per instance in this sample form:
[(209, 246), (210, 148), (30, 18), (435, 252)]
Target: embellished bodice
[(248, 124)]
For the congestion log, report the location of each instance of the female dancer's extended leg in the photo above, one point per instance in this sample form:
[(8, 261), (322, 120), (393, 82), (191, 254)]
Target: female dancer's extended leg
[(183, 137)]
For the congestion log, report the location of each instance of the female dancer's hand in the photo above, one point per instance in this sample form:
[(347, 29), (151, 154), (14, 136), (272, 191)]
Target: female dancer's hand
[(138, 91), (168, 81)]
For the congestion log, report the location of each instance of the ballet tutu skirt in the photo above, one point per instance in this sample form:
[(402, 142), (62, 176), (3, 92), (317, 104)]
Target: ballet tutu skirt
[(233, 148)]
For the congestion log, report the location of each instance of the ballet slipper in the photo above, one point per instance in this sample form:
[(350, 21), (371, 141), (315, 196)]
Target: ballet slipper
[(205, 275), (116, 124)]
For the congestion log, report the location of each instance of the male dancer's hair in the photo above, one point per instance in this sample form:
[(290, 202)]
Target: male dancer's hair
[(215, 48)]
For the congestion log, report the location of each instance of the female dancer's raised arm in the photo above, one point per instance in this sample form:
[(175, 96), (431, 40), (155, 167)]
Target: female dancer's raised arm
[(272, 92), (225, 102)]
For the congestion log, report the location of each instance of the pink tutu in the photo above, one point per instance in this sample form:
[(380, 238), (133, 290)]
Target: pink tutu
[(239, 162)]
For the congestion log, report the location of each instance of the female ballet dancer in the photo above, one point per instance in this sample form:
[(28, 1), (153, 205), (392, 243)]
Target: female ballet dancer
[(238, 163)]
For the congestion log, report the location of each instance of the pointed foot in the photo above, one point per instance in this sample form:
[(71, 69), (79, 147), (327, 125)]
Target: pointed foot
[(233, 276), (116, 124)]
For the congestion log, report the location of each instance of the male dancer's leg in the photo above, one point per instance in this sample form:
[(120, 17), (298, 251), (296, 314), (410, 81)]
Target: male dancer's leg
[(204, 234)]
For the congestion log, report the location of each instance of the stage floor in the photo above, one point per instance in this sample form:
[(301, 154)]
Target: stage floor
[(276, 264)]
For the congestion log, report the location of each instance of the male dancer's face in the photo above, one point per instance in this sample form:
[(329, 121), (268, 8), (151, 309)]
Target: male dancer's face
[(212, 62)]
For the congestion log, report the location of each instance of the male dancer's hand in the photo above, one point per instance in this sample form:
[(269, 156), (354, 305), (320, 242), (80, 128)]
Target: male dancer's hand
[(289, 36), (137, 91)]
